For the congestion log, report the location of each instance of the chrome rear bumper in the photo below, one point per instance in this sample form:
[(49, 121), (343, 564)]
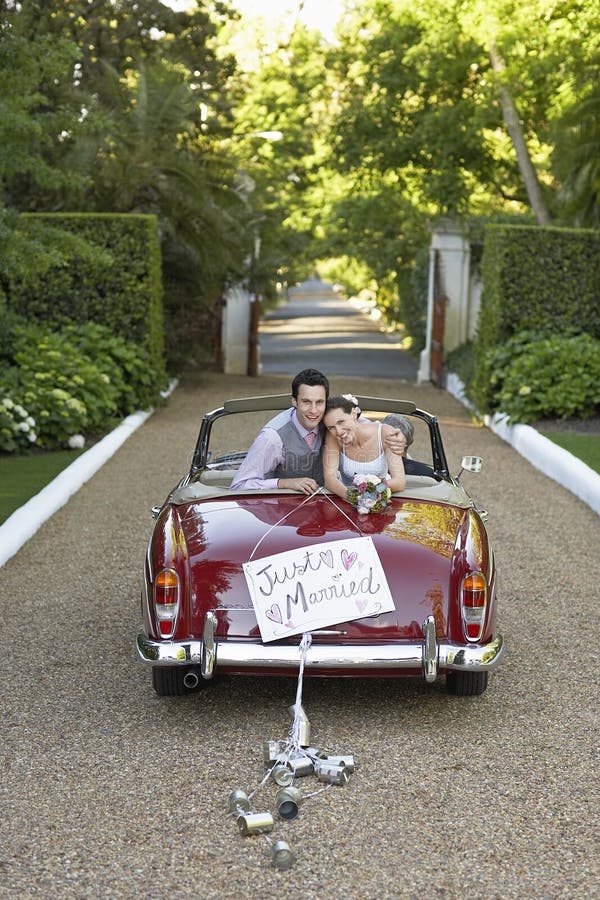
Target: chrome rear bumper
[(427, 655)]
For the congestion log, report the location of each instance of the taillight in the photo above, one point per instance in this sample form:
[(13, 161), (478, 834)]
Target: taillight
[(473, 601), (166, 601)]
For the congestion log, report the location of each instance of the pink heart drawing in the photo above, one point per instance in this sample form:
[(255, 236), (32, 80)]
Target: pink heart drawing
[(274, 614), (348, 559), (361, 605), (327, 558)]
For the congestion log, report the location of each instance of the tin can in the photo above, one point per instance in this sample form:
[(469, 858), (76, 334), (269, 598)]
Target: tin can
[(331, 774), (282, 855), (288, 800), (282, 775), (255, 823), (316, 752), (300, 765), (343, 760), (272, 750), (303, 726), (238, 800)]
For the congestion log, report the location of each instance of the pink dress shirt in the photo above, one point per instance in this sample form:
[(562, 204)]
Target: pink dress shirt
[(264, 455)]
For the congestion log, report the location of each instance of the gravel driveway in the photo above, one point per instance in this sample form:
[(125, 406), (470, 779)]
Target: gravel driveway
[(110, 791)]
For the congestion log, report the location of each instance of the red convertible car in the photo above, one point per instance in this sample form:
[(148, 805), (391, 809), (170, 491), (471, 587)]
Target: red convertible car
[(233, 579)]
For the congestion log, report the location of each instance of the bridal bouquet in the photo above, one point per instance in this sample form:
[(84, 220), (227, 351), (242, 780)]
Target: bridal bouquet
[(370, 494)]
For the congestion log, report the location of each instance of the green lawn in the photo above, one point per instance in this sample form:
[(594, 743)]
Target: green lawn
[(23, 476), (585, 446)]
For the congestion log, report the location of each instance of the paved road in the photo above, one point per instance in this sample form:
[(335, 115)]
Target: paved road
[(318, 328), (109, 791)]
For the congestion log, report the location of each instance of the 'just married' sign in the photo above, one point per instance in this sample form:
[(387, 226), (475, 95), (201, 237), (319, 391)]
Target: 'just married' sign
[(312, 587)]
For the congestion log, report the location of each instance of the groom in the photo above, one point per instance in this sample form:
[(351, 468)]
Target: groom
[(286, 453)]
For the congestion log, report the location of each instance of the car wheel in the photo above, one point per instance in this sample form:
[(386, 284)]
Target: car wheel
[(466, 684), (171, 681)]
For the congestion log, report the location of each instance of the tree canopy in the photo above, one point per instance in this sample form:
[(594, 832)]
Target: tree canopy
[(473, 109)]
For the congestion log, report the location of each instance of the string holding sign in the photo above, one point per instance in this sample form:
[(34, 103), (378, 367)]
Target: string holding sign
[(320, 491)]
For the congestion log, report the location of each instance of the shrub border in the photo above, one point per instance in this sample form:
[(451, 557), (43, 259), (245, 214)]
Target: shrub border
[(542, 453)]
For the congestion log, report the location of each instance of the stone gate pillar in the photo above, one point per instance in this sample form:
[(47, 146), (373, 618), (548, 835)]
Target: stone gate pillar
[(449, 277), (234, 330)]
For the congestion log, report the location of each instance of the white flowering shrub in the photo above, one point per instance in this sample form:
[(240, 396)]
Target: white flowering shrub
[(17, 427), (70, 383)]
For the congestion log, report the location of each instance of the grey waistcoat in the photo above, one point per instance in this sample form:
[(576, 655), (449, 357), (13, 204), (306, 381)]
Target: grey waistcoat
[(299, 461)]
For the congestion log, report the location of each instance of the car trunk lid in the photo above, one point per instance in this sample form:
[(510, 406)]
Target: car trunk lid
[(414, 540)]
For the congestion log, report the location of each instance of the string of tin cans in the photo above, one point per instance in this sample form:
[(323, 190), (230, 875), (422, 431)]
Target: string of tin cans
[(286, 761)]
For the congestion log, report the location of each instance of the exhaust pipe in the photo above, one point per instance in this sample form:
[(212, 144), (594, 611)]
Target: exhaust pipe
[(190, 679)]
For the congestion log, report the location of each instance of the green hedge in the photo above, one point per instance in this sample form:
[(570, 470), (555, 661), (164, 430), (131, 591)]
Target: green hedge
[(103, 268), (535, 279)]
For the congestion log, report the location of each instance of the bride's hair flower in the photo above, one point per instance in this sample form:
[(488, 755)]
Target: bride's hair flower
[(369, 494), (351, 398)]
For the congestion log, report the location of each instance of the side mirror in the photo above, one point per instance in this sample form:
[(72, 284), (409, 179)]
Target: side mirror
[(470, 464)]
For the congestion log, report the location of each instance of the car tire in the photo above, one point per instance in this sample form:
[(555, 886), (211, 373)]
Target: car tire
[(466, 684), (168, 681)]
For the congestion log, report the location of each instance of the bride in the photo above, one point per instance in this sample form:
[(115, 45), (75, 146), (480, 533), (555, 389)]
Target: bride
[(355, 446)]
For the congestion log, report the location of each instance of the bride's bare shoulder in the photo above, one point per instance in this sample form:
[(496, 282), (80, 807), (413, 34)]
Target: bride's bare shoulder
[(367, 428)]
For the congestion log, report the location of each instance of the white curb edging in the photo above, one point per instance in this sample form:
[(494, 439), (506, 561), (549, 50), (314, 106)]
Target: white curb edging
[(544, 454), (25, 521)]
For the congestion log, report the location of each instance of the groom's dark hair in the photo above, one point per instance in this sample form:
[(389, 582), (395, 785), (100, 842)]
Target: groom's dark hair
[(311, 377)]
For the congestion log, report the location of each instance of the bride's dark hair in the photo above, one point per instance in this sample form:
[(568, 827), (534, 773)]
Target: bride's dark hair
[(339, 401)]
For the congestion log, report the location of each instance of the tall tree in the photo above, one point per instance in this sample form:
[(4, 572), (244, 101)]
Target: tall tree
[(114, 38), (538, 51), (428, 90), (515, 131), (575, 123), (576, 159), (286, 92), (31, 119)]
